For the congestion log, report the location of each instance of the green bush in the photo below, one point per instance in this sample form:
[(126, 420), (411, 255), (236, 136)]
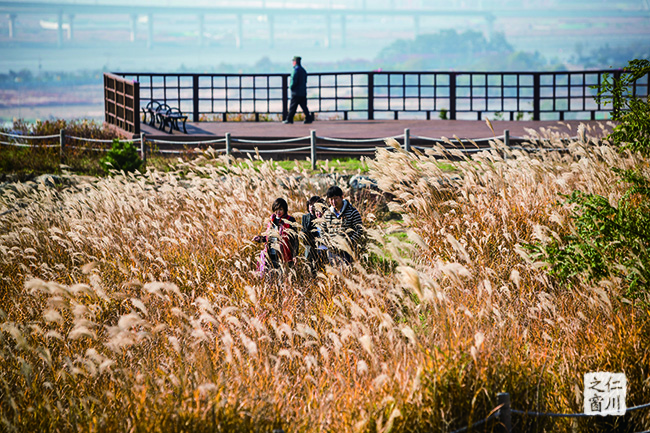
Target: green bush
[(122, 156), (608, 240)]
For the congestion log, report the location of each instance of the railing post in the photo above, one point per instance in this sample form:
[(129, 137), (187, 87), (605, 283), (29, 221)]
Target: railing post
[(61, 145), (136, 107), (407, 139), (285, 96), (371, 96), (506, 137), (452, 96), (617, 104), (143, 149), (537, 91), (505, 415), (312, 141), (195, 98), (228, 145)]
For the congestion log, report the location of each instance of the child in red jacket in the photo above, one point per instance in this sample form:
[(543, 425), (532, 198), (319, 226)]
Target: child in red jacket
[(280, 239)]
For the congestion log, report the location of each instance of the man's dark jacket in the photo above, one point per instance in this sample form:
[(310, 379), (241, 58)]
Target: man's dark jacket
[(299, 81)]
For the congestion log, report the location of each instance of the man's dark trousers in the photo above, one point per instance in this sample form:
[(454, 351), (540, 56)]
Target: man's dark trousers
[(293, 107)]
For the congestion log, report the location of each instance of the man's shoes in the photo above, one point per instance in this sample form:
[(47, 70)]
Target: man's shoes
[(309, 118), (287, 122)]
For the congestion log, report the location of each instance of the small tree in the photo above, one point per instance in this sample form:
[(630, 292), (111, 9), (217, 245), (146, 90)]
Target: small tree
[(632, 113), (122, 156)]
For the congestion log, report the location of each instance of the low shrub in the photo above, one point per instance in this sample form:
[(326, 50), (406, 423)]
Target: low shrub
[(123, 156)]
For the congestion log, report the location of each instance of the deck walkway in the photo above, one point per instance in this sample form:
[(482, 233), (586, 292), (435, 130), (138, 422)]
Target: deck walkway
[(357, 130)]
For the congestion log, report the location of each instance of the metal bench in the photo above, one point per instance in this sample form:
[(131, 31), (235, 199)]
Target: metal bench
[(170, 117), (152, 109)]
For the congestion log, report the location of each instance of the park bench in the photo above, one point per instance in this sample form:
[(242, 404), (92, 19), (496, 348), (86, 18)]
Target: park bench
[(170, 117), (153, 109), (163, 115)]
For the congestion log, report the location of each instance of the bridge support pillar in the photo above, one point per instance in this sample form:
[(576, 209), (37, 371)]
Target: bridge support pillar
[(149, 31), (12, 25), (489, 27), (328, 36), (239, 40), (71, 26), (201, 30), (134, 26), (59, 30)]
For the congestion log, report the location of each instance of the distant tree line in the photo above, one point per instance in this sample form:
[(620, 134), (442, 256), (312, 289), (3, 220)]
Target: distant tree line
[(26, 76), (469, 50)]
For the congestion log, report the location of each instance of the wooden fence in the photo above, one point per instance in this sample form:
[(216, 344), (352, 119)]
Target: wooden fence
[(122, 103)]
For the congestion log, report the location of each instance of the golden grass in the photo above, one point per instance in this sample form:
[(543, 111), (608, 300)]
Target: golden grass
[(131, 303)]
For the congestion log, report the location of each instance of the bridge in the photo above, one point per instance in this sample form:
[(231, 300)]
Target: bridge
[(66, 12)]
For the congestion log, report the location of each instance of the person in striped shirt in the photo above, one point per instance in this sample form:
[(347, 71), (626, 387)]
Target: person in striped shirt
[(343, 228)]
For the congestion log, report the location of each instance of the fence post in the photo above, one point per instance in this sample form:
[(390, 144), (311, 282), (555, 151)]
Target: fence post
[(61, 145), (616, 98), (312, 140), (537, 96), (407, 139), (136, 107), (505, 415), (371, 96), (285, 96), (506, 137), (228, 145), (452, 96), (143, 149), (195, 98)]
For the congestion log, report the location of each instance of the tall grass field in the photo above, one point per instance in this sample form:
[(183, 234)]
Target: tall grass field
[(131, 303)]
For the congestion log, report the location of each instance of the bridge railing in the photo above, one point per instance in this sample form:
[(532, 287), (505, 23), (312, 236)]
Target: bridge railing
[(567, 95)]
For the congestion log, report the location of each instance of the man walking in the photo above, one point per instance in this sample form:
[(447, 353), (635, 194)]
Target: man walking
[(343, 228), (298, 87)]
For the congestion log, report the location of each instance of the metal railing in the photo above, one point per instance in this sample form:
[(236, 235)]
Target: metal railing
[(567, 95), (122, 103)]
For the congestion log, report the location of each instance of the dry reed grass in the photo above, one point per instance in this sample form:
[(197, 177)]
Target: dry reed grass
[(131, 303)]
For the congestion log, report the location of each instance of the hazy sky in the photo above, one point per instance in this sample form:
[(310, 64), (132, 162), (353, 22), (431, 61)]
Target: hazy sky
[(106, 41)]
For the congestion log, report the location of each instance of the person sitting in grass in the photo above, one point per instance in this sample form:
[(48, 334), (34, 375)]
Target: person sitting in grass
[(315, 252), (280, 239), (343, 228)]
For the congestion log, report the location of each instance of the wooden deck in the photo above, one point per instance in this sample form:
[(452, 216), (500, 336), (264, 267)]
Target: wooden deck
[(355, 130)]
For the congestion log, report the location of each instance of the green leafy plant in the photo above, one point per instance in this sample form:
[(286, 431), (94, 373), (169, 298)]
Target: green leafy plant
[(607, 240), (632, 113), (443, 114), (122, 156)]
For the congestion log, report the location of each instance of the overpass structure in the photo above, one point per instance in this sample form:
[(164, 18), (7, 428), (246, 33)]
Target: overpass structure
[(65, 13)]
